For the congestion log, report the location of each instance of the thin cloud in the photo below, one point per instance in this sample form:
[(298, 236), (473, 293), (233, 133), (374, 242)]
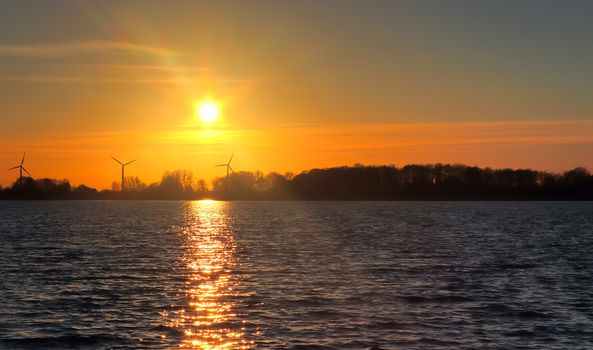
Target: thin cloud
[(103, 73), (323, 145), (167, 69), (55, 50), (95, 80)]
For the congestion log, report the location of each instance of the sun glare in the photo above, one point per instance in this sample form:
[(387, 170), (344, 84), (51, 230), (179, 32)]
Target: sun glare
[(208, 112)]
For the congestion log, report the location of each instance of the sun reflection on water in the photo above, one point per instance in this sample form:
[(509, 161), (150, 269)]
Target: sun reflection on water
[(209, 320)]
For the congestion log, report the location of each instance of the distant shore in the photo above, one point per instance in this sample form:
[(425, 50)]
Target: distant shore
[(434, 182)]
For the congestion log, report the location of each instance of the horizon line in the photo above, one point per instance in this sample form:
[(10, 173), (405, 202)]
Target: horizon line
[(305, 171)]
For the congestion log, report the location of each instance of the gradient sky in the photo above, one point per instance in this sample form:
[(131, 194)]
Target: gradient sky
[(300, 84)]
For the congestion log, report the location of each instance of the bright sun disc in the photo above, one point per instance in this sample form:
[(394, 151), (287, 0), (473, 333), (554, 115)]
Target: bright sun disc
[(208, 112)]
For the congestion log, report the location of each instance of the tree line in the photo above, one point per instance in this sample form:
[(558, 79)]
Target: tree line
[(358, 182)]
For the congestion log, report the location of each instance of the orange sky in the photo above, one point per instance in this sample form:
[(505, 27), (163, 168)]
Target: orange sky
[(299, 85), (84, 157)]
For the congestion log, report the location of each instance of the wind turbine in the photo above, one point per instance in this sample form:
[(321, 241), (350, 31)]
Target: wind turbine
[(123, 166), (228, 169), (21, 168)]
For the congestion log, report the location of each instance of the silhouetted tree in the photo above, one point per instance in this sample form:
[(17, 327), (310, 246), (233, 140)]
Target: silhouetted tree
[(174, 185), (134, 184), (202, 186), (359, 182)]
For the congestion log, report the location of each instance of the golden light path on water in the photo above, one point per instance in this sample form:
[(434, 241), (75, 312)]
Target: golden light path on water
[(210, 321)]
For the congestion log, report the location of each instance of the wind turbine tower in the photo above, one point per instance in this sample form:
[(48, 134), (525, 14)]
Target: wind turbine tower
[(228, 170), (21, 169), (123, 167)]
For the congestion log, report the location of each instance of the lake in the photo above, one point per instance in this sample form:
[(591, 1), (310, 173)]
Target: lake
[(296, 275)]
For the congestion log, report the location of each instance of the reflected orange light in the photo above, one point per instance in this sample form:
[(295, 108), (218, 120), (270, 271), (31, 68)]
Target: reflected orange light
[(208, 321)]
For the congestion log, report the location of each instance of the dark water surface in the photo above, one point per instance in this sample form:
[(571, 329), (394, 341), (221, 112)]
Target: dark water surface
[(296, 275)]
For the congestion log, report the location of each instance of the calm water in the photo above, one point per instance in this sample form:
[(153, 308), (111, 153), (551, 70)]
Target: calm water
[(296, 275)]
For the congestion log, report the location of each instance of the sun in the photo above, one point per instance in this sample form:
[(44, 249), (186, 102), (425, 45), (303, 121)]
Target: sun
[(208, 112)]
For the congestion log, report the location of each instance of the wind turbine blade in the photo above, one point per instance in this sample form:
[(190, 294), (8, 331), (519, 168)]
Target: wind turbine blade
[(231, 158), (221, 165), (14, 167), (116, 160), (23, 160), (25, 170), (231, 169), (131, 162)]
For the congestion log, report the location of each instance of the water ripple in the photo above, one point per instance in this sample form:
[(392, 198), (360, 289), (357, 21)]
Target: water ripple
[(295, 275)]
